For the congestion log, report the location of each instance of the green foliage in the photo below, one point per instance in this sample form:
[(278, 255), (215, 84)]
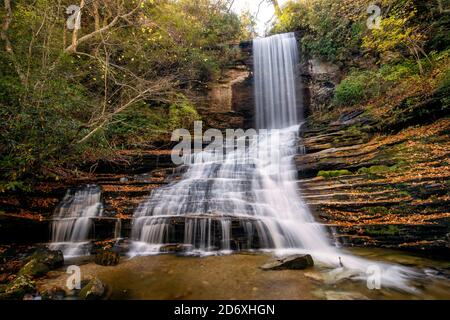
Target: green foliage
[(331, 29), (333, 173), (352, 90), (362, 85), (182, 115), (61, 110), (444, 82), (145, 124)]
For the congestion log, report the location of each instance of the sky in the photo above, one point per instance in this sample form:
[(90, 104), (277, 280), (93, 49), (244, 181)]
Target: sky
[(266, 11)]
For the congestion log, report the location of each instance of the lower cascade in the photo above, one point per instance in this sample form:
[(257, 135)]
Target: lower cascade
[(247, 200), (72, 221)]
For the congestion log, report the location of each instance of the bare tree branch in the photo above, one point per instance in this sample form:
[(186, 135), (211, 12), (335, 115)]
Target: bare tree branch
[(76, 42)]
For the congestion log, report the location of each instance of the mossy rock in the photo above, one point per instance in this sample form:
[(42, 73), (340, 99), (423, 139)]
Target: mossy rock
[(52, 258), (18, 288), (107, 258), (94, 290), (333, 173), (34, 269)]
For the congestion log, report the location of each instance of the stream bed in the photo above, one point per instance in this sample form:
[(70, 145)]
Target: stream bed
[(238, 276)]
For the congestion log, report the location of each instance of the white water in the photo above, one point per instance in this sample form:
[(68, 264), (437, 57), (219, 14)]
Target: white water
[(254, 190), (278, 102), (72, 221)]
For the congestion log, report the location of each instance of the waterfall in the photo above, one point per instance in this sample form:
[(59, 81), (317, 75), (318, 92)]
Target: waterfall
[(276, 92), (72, 220), (250, 199)]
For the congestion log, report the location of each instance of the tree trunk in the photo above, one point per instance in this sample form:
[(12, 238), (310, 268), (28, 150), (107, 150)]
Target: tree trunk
[(277, 7), (96, 16)]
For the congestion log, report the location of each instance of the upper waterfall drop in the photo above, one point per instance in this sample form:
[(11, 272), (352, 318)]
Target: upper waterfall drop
[(278, 98)]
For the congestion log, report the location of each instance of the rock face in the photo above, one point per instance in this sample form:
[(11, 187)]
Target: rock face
[(94, 290), (107, 258), (296, 262), (386, 190), (319, 80)]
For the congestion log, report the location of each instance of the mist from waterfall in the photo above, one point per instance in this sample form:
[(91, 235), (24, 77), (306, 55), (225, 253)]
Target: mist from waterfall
[(72, 220)]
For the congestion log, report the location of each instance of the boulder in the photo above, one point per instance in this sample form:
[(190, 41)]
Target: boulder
[(295, 262), (18, 288), (107, 258), (175, 248), (94, 290), (52, 258), (34, 269)]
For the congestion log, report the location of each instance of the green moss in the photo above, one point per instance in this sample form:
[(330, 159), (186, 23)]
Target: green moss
[(376, 210), (34, 269), (390, 230), (374, 170), (333, 173)]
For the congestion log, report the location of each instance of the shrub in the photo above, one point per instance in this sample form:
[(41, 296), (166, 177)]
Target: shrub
[(394, 73), (182, 115), (358, 87)]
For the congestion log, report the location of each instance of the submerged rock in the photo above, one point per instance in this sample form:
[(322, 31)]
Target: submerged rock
[(94, 290), (296, 262), (107, 258), (54, 293)]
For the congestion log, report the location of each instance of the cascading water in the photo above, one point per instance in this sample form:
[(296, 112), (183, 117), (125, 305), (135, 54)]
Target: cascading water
[(72, 220), (250, 199)]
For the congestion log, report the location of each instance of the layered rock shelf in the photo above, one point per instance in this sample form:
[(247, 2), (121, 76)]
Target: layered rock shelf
[(386, 190)]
